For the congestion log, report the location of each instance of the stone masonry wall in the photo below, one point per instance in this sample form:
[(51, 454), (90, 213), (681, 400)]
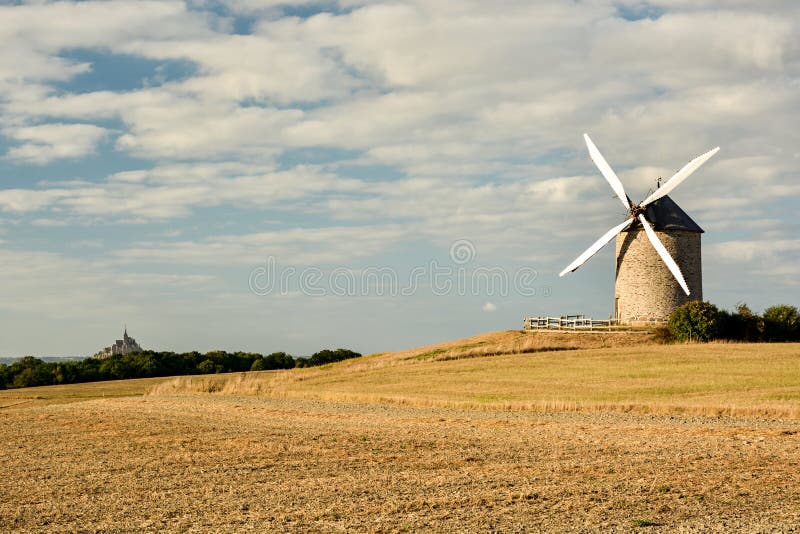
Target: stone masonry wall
[(645, 291)]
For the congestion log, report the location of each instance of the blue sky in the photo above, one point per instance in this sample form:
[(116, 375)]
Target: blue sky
[(155, 155)]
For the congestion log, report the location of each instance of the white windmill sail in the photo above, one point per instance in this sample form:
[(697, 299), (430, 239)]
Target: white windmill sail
[(608, 172), (600, 243), (679, 177), (662, 251)]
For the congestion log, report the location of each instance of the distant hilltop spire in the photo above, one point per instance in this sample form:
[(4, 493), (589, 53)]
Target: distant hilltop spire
[(121, 346)]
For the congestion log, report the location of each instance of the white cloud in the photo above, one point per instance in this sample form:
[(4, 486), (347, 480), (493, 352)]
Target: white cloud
[(48, 142), (765, 270), (489, 307), (241, 67), (765, 251), (697, 47), (54, 26), (35, 35), (175, 190), (445, 87), (23, 200), (296, 246)]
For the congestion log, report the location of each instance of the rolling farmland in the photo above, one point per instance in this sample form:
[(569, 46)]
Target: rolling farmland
[(460, 436)]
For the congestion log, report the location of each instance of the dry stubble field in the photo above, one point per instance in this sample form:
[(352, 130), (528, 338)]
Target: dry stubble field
[(455, 461)]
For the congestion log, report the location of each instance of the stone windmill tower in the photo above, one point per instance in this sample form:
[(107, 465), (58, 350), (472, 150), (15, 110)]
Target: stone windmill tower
[(650, 284), (646, 292)]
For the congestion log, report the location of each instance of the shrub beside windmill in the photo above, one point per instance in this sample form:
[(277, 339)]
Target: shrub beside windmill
[(658, 257)]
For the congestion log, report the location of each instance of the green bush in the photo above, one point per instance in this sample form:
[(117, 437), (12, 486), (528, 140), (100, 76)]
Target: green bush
[(663, 335), (207, 367), (329, 356), (695, 321), (279, 360), (741, 325), (781, 323), (752, 326), (28, 372)]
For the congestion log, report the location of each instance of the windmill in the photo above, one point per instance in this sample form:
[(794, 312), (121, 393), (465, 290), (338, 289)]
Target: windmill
[(649, 281)]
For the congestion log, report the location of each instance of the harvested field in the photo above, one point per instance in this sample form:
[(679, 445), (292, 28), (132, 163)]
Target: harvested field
[(226, 463), (688, 438)]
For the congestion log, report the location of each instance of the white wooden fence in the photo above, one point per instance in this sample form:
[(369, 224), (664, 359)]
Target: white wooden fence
[(567, 322)]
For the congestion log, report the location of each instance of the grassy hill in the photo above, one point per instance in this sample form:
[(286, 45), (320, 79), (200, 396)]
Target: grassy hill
[(546, 372)]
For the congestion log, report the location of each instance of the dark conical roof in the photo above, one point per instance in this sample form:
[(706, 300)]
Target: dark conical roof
[(665, 214)]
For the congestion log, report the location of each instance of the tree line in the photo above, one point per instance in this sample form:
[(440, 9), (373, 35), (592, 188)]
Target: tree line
[(703, 321), (30, 371)]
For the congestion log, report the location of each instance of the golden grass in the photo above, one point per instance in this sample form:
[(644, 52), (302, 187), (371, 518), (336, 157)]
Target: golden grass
[(77, 392), (513, 371), (513, 342)]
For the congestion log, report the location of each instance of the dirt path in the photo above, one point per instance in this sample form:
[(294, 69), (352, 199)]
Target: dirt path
[(216, 463)]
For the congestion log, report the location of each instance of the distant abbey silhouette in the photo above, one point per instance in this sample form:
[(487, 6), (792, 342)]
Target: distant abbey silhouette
[(121, 346)]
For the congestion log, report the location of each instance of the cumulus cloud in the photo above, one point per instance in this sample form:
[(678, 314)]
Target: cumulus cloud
[(47, 142)]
